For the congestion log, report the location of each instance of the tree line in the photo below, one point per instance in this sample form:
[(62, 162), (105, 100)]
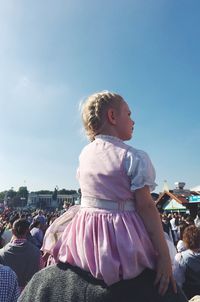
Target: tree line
[(19, 198)]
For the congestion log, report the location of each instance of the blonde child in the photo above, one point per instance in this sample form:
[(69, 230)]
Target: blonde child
[(116, 232)]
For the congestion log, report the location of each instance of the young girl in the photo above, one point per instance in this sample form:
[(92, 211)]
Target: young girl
[(116, 232)]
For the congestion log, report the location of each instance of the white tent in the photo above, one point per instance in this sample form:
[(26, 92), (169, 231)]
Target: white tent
[(173, 205), (196, 189)]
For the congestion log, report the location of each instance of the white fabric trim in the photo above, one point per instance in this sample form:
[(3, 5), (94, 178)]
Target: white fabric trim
[(91, 202)]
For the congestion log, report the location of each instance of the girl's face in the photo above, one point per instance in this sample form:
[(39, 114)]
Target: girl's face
[(124, 124)]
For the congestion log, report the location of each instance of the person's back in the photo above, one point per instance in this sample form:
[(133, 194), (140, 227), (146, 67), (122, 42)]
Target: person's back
[(191, 285), (37, 233), (187, 263), (116, 232), (104, 181), (21, 255), (101, 170), (75, 285), (9, 290), (173, 223)]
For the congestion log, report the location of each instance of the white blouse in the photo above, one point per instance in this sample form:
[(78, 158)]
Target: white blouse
[(137, 165)]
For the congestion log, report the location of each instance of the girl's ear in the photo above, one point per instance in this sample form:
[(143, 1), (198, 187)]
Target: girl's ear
[(112, 116)]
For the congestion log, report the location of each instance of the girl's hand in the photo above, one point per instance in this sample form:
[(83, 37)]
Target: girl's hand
[(45, 257), (164, 275)]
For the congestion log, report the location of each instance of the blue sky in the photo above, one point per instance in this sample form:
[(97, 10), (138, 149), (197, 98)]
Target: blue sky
[(55, 53)]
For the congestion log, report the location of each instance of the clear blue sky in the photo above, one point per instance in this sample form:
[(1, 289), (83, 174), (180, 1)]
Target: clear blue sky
[(55, 53)]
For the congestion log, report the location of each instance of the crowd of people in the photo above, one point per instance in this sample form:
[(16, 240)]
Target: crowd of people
[(21, 239), (184, 232), (114, 246)]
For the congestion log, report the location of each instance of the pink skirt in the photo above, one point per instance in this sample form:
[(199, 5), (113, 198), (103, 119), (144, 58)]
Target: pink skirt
[(111, 244)]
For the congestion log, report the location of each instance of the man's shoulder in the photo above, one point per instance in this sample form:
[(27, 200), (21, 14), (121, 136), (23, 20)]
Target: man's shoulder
[(31, 246), (65, 272), (6, 271), (48, 275), (187, 256), (48, 271), (6, 248)]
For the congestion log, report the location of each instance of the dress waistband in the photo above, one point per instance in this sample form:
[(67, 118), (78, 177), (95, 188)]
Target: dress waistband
[(91, 202)]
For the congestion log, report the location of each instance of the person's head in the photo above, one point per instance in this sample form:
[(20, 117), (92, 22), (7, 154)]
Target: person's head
[(191, 237), (20, 228), (36, 224), (107, 113), (189, 220)]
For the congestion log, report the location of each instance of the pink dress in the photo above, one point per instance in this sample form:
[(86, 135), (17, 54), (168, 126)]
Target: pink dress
[(105, 235)]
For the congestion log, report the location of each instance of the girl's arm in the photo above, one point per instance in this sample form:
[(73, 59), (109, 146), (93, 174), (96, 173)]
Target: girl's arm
[(147, 210)]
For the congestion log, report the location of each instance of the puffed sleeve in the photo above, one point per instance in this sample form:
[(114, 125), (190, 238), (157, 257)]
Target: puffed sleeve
[(140, 169)]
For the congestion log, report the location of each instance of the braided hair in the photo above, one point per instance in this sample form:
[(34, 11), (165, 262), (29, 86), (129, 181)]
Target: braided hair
[(94, 111)]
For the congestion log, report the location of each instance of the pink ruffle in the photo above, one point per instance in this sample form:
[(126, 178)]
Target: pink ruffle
[(111, 245)]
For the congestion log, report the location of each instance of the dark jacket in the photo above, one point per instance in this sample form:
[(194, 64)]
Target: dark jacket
[(24, 259), (65, 283)]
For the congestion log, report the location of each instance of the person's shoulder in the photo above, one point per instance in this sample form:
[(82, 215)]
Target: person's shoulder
[(5, 248), (46, 273), (186, 255), (180, 246), (31, 246), (69, 282), (49, 274), (6, 271), (41, 285)]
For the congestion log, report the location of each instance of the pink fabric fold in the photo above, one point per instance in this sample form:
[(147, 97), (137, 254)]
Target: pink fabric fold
[(56, 229), (111, 245)]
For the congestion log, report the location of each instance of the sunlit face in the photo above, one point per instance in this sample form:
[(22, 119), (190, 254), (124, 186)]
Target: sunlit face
[(125, 124)]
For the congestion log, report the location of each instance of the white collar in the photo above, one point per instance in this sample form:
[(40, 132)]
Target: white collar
[(108, 137)]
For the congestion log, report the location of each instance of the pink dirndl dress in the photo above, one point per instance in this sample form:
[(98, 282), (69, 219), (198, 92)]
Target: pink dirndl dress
[(111, 244), (104, 237)]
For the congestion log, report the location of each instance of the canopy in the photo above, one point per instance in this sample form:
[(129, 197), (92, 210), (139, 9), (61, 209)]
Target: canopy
[(173, 205)]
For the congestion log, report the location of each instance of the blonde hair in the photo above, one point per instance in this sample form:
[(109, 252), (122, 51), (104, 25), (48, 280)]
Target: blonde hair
[(94, 110)]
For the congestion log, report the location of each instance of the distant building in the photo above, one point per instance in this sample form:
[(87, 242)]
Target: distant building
[(42, 200)]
